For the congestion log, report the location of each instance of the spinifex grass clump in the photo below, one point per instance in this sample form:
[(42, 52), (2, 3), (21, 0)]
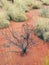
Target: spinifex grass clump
[(46, 36), (45, 2), (44, 12), (1, 5), (42, 29), (16, 15), (7, 5), (4, 23), (26, 2), (3, 14), (37, 4), (29, 2), (4, 19), (22, 40), (22, 5)]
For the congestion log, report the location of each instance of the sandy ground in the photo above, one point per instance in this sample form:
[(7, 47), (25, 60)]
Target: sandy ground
[(34, 55)]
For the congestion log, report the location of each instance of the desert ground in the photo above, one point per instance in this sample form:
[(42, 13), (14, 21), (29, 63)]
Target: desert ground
[(35, 54)]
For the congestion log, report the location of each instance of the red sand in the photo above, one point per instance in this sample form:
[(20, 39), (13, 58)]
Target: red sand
[(34, 55)]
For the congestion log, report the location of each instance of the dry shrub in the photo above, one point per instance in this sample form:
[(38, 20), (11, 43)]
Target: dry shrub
[(16, 14), (1, 5), (44, 12), (7, 5), (4, 19), (26, 2), (42, 29), (46, 36), (37, 5), (4, 23), (29, 2), (3, 14), (45, 2), (23, 41), (22, 5)]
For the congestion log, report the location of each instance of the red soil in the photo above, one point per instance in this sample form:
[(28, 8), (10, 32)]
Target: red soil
[(34, 55)]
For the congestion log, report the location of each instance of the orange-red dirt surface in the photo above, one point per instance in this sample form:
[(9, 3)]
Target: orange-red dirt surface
[(35, 54)]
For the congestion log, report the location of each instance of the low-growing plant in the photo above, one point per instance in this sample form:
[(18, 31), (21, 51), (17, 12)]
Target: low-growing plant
[(22, 41), (42, 29), (23, 6), (26, 2), (11, 0), (3, 14), (46, 36), (44, 12), (45, 2), (16, 14), (7, 5), (29, 2), (37, 5), (4, 23), (1, 5)]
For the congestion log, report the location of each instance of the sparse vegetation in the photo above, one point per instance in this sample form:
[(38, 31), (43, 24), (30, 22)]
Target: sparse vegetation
[(44, 12), (37, 5), (23, 24), (26, 2), (46, 36), (42, 29), (24, 40), (16, 15), (7, 5), (4, 23), (22, 5), (4, 19), (16, 9), (3, 14), (45, 2)]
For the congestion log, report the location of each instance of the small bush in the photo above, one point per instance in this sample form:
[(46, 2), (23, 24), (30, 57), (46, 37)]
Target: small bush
[(4, 23), (45, 2), (16, 14), (36, 5), (3, 14), (46, 36), (7, 5), (23, 41), (42, 29), (29, 2), (1, 5), (22, 5), (26, 2), (44, 12)]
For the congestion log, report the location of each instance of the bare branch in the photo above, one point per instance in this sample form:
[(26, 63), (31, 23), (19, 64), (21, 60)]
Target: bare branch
[(11, 41), (14, 36), (24, 41), (5, 45)]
